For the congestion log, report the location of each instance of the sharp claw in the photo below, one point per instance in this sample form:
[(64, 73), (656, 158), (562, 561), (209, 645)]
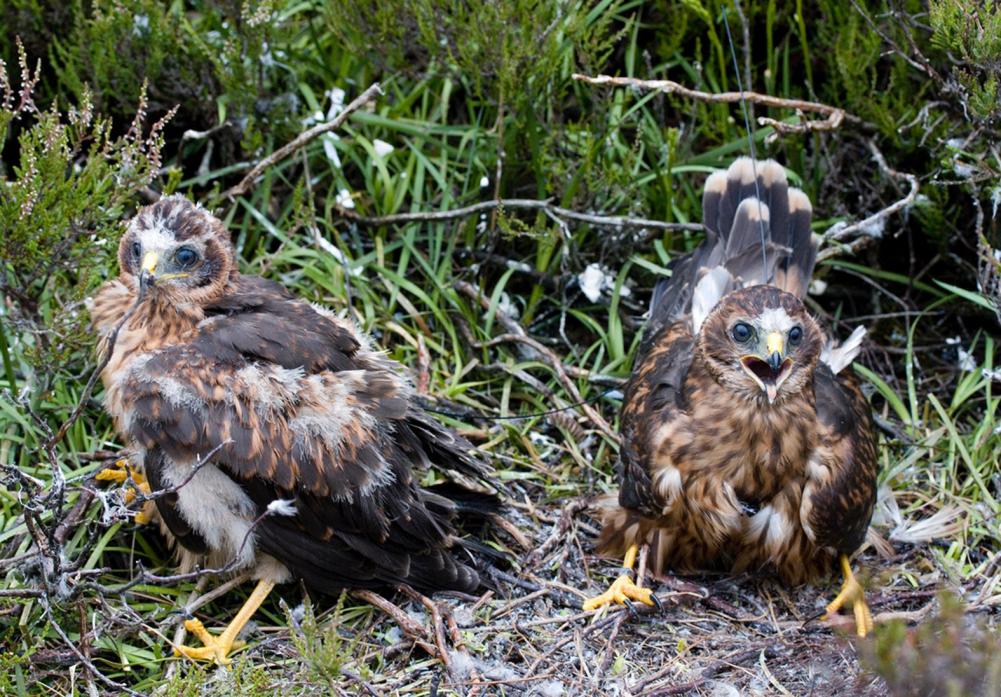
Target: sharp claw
[(657, 603), (631, 606)]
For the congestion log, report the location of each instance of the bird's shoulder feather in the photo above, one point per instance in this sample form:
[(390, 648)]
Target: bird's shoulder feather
[(840, 494), (654, 402)]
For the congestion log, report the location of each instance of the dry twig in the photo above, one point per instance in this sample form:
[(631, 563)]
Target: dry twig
[(835, 115), (411, 628), (871, 228), (546, 355), (545, 205), (301, 140)]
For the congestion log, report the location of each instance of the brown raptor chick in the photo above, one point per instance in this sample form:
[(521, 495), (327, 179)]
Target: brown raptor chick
[(317, 440), (747, 445)]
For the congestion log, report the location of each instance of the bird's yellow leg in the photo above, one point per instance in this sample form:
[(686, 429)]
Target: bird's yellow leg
[(622, 590), (852, 593), (217, 648), (120, 472)]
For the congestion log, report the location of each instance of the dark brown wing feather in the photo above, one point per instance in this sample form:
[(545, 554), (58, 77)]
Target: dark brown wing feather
[(261, 321), (840, 494), (654, 397), (303, 413), (397, 533)]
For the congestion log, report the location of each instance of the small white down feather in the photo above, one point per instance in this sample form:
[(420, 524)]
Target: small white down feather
[(839, 357)]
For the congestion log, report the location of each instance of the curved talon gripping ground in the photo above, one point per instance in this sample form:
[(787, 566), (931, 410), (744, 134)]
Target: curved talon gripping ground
[(218, 648), (851, 593), (623, 590)]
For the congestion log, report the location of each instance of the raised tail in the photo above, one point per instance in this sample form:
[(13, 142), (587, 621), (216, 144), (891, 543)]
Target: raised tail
[(756, 232)]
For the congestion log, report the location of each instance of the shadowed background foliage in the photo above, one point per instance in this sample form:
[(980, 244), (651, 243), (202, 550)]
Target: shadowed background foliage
[(132, 98)]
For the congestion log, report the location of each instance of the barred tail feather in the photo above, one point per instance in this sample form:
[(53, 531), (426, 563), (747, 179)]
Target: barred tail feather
[(748, 202)]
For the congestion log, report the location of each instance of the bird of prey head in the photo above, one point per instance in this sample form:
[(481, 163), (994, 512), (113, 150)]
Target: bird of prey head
[(761, 343), (175, 251)]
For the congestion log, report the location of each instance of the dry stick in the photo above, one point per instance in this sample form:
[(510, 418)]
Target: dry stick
[(836, 233), (832, 122), (671, 87), (438, 631), (547, 355), (301, 140), (507, 609), (567, 515), (88, 664), (72, 519), (518, 203), (417, 633)]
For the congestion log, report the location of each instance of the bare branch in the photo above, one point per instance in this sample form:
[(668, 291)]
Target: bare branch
[(301, 140), (547, 356), (870, 228), (117, 686), (832, 122), (671, 87), (545, 205)]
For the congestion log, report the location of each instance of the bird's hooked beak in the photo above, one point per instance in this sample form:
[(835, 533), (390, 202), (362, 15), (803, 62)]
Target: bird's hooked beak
[(771, 367), (147, 276), (776, 348)]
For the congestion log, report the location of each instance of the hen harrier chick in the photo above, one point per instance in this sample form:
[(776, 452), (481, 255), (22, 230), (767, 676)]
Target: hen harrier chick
[(746, 443), (315, 435)]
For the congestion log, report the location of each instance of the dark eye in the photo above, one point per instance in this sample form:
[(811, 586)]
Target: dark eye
[(742, 332), (137, 249), (795, 335), (186, 256)]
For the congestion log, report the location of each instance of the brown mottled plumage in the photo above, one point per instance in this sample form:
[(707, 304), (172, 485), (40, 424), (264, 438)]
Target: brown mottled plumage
[(305, 412), (736, 456)]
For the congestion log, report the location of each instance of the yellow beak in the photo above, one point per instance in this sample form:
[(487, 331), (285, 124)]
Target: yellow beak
[(149, 262), (775, 343)]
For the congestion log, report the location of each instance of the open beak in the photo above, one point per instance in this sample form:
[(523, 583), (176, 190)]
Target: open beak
[(771, 369), (147, 275)]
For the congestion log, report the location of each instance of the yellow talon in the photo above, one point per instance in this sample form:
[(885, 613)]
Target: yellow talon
[(852, 593), (218, 648), (130, 493), (120, 473), (215, 649), (622, 589), (144, 514)]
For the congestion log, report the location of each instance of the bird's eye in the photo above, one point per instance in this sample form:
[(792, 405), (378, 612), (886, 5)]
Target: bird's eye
[(137, 249), (742, 332), (186, 256), (795, 335)]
